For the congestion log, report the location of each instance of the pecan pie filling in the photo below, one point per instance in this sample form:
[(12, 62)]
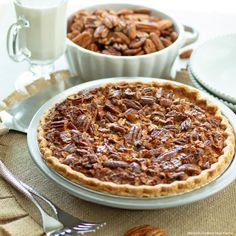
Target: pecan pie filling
[(135, 133)]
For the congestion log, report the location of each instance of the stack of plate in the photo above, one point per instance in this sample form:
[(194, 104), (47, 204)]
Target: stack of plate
[(212, 68)]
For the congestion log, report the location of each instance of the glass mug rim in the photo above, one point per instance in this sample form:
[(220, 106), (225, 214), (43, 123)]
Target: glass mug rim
[(31, 4)]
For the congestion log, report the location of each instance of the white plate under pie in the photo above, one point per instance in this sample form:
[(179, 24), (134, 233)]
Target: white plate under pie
[(118, 201), (213, 64)]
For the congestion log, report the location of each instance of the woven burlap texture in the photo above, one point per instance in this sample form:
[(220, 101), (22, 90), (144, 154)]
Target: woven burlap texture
[(213, 216)]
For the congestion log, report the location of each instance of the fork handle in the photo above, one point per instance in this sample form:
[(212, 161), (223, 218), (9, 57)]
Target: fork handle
[(11, 179), (49, 223), (33, 191)]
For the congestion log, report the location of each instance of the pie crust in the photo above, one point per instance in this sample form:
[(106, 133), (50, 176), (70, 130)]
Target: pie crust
[(193, 180)]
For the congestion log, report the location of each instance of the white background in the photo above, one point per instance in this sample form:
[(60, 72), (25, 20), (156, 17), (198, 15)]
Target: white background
[(209, 17)]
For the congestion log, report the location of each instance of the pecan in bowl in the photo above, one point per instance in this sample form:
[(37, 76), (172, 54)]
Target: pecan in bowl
[(145, 230), (115, 40), (124, 32)]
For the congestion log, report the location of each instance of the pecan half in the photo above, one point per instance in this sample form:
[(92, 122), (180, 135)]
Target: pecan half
[(131, 114), (147, 27), (110, 117), (115, 164), (121, 38), (132, 104), (58, 124), (138, 230), (142, 52), (69, 159), (101, 32), (156, 40), (173, 36), (110, 21), (165, 42), (145, 230), (166, 155), (157, 114), (117, 128), (111, 51), (150, 153), (83, 39), (165, 102), (70, 148), (177, 176), (190, 169), (186, 124), (73, 34), (120, 46), (129, 93), (93, 47), (91, 22), (186, 54), (121, 25), (137, 17), (141, 35), (142, 10), (114, 93), (110, 107), (134, 167), (131, 31), (83, 123), (164, 24), (125, 11), (149, 46), (131, 52), (147, 100), (81, 151), (134, 135), (137, 43), (76, 26), (65, 136)]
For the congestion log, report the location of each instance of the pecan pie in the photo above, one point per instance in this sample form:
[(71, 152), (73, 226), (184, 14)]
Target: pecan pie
[(137, 139)]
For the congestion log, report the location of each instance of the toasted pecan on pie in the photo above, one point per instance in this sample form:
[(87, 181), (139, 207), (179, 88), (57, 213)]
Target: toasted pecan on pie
[(137, 139)]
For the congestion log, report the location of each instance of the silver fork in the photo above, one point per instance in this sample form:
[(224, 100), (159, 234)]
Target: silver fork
[(64, 217), (51, 226)]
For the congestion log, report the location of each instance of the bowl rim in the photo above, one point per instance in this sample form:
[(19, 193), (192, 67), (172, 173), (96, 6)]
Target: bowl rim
[(177, 24)]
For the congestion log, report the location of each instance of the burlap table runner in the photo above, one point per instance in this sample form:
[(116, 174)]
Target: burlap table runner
[(18, 217)]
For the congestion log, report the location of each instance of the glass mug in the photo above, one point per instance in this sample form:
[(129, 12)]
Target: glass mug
[(38, 36)]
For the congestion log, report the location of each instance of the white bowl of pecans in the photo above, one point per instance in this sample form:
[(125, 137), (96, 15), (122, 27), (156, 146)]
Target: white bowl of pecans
[(114, 40)]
